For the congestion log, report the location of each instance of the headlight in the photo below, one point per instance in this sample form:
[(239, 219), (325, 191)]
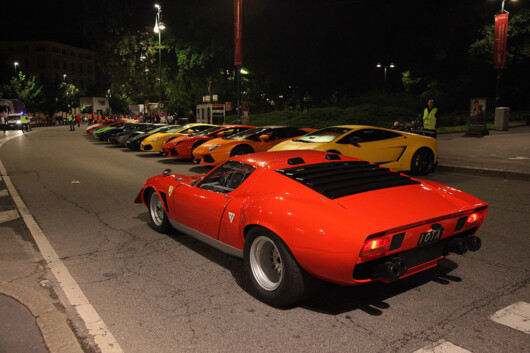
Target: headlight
[(176, 143), (19, 122), (153, 140), (213, 147)]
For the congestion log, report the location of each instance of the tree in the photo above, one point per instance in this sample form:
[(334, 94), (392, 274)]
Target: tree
[(517, 57), (27, 89), (67, 97)]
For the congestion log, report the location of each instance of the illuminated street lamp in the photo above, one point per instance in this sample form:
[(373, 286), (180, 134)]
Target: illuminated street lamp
[(64, 78), (159, 27), (15, 64), (385, 67)]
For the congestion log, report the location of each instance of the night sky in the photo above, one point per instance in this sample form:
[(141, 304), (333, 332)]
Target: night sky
[(301, 40)]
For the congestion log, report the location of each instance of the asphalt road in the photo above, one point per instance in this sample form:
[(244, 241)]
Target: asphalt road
[(170, 293)]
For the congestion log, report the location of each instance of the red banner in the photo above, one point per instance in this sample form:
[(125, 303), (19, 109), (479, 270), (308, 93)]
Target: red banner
[(499, 41), (238, 4)]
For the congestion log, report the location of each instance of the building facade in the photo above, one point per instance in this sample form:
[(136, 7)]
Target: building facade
[(53, 62)]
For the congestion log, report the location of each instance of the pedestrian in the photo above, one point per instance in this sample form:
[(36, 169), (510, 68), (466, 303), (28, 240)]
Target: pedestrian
[(78, 119), (3, 123), (71, 121), (24, 122), (430, 117)]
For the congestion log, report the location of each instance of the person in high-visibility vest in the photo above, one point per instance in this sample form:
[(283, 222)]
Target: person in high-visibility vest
[(24, 122), (430, 116), (71, 121)]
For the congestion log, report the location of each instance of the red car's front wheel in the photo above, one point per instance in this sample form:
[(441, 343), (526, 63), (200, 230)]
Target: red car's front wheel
[(157, 214)]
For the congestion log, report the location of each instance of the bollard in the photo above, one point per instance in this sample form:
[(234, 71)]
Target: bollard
[(502, 118)]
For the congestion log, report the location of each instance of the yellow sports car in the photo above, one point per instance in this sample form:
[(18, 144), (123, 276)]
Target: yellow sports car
[(393, 149), (154, 143)]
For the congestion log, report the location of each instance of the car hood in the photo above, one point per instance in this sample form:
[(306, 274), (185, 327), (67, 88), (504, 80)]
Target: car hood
[(157, 135), (397, 206), (293, 145), (220, 142)]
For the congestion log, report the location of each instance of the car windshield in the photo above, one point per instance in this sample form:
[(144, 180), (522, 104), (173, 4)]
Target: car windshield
[(161, 129), (247, 134), (178, 128), (324, 135), (206, 132)]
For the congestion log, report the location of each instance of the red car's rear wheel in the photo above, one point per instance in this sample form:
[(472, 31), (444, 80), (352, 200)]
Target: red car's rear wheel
[(272, 270)]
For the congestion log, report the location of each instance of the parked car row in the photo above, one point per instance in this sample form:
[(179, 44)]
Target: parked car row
[(211, 145)]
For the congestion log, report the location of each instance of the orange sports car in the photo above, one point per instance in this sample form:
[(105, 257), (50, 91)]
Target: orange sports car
[(182, 147), (259, 139)]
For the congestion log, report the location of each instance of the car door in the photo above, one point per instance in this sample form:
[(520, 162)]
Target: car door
[(199, 209), (374, 145), (201, 206)]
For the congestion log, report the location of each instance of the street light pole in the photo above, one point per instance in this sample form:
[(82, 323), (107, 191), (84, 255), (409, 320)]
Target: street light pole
[(159, 26), (391, 65), (15, 64)]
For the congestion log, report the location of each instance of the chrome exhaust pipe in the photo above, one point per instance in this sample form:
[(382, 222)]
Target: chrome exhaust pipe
[(473, 242), (390, 270), (458, 246)]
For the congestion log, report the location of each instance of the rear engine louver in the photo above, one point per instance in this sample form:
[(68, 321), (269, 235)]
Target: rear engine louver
[(339, 179)]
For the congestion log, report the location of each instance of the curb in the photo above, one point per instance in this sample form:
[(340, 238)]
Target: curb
[(52, 324), (494, 173)]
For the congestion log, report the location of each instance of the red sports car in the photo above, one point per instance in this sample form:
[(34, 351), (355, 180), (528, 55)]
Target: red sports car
[(296, 215), (182, 147)]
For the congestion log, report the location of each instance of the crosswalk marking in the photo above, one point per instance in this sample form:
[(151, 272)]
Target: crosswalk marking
[(7, 216), (516, 316), (442, 346)]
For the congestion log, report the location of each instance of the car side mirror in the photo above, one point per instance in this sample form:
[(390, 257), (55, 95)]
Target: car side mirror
[(264, 138), (190, 132), (221, 134), (354, 140)]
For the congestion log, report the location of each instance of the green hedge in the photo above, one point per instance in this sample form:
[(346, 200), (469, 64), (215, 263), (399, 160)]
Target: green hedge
[(366, 114)]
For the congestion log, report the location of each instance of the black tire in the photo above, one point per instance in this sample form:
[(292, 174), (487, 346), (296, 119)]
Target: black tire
[(272, 270), (157, 213), (240, 150), (422, 162)]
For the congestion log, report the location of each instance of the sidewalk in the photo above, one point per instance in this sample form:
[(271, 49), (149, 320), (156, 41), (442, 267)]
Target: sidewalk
[(31, 323), (504, 154)]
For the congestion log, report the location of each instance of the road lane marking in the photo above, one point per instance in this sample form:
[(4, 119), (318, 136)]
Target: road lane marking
[(442, 346), (7, 216), (103, 338), (516, 316)]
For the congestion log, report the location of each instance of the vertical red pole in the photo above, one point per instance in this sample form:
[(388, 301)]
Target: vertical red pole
[(499, 41), (238, 4)]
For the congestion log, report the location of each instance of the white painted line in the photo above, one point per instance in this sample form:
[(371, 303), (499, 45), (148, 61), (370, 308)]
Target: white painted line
[(7, 216), (93, 322), (3, 192), (516, 316), (442, 346)]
